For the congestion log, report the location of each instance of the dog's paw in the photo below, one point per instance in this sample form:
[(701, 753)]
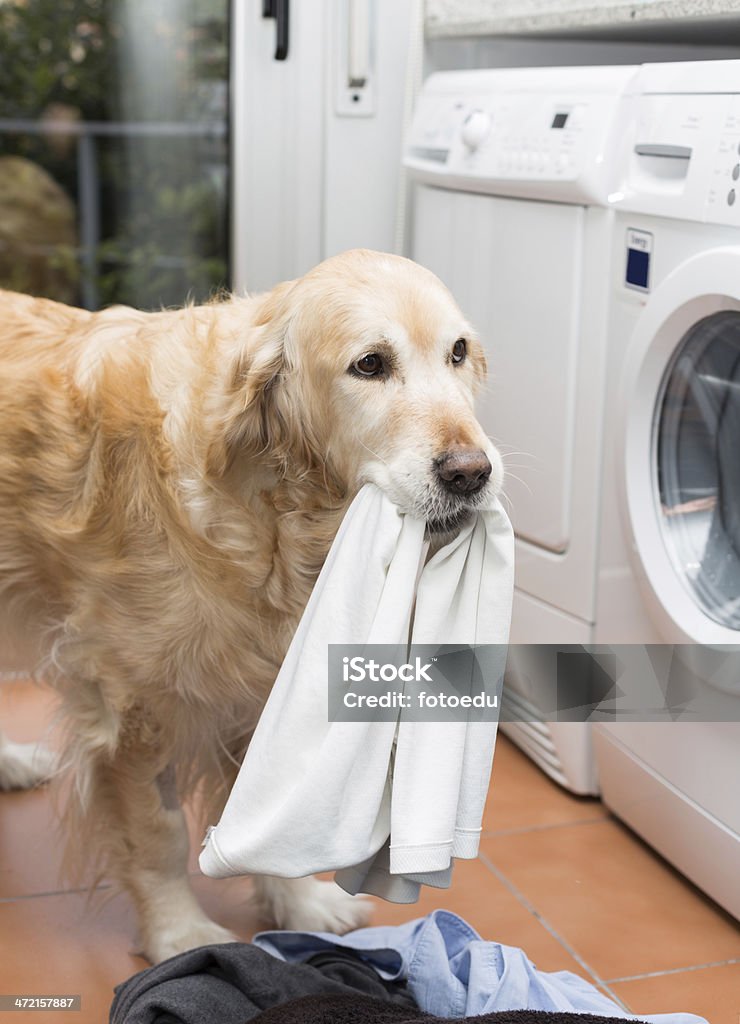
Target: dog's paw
[(307, 905), (329, 909), (181, 936), (24, 765)]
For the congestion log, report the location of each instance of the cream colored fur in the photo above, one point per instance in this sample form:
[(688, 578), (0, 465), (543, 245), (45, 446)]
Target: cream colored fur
[(170, 484)]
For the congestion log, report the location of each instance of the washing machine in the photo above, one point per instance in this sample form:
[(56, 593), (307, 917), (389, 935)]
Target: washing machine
[(513, 170), (669, 563)]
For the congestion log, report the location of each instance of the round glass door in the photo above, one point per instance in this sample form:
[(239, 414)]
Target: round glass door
[(697, 450)]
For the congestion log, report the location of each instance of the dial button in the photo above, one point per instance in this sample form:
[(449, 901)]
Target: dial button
[(475, 128)]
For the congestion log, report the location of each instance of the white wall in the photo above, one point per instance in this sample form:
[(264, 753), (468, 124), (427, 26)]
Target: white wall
[(363, 154), (447, 54)]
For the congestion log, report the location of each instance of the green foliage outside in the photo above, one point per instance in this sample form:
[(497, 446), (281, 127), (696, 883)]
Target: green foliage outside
[(160, 197)]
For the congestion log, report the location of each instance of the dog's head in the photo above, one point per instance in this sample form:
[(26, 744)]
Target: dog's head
[(367, 366)]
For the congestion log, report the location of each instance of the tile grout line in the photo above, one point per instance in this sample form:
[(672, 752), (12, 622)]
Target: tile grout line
[(548, 927), (543, 828), (55, 892), (675, 970), (77, 890)]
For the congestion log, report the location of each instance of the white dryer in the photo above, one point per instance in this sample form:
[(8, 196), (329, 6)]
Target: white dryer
[(510, 211), (669, 568)]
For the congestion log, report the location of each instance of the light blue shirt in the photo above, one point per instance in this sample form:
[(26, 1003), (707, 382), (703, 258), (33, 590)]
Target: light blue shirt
[(452, 972)]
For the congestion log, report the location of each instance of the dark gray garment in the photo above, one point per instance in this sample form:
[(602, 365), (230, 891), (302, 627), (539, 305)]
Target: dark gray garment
[(234, 982)]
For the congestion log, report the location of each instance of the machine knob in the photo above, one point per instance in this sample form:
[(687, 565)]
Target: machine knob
[(475, 128)]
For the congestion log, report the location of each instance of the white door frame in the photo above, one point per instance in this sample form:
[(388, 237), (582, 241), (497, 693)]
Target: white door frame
[(277, 132)]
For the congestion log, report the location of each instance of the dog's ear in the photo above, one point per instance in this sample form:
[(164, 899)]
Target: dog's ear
[(480, 363), (258, 417)]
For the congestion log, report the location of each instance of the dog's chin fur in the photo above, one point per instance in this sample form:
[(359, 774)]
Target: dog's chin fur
[(450, 525), (170, 484)]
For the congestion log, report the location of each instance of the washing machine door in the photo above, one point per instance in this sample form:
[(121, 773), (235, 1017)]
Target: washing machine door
[(681, 467)]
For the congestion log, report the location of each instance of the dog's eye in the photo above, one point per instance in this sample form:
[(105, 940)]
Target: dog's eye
[(459, 351), (370, 365)]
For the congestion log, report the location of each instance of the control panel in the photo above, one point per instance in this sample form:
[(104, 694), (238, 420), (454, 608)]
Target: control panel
[(684, 143), (542, 132), (724, 185)]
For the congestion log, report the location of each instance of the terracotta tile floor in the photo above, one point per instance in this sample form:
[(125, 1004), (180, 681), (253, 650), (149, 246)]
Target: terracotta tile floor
[(557, 875)]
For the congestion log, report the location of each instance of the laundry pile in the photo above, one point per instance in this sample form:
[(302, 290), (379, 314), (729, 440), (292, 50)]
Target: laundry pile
[(436, 966), (385, 804)]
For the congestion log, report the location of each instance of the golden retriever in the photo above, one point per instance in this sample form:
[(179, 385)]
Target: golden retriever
[(170, 484)]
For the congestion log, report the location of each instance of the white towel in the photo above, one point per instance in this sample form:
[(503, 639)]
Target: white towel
[(387, 805)]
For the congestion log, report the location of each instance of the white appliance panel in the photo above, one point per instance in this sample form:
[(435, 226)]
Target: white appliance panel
[(523, 298), (693, 755), (561, 749), (542, 133), (685, 831)]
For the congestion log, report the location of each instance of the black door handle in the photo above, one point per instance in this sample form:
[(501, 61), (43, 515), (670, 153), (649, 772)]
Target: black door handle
[(280, 11)]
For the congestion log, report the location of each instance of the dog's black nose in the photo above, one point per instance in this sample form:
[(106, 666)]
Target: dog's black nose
[(463, 471)]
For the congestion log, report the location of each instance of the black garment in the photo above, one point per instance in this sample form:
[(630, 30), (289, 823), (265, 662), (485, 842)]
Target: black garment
[(234, 982), (347, 967), (360, 1009)]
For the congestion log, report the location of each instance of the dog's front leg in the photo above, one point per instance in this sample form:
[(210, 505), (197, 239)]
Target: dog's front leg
[(147, 844)]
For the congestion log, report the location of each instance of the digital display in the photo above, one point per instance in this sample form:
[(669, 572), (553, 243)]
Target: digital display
[(559, 121)]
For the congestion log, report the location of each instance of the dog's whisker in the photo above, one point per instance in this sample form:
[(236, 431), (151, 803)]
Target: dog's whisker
[(506, 500), (519, 480), (374, 454)]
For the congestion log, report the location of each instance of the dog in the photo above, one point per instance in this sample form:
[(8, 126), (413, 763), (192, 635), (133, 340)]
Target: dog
[(170, 484)]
